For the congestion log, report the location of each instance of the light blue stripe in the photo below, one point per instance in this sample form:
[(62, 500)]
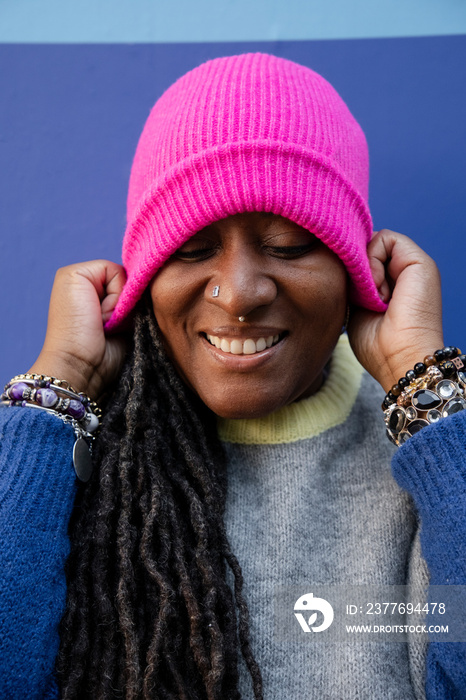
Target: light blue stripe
[(136, 21)]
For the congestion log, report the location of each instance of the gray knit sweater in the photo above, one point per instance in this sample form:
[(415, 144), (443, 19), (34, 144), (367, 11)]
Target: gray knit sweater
[(311, 500)]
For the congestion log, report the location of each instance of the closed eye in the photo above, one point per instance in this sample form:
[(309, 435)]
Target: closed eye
[(196, 254), (292, 251)]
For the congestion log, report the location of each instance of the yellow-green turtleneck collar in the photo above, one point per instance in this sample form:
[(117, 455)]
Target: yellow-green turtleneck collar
[(309, 417)]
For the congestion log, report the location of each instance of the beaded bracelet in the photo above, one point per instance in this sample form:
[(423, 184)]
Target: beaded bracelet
[(56, 396), (434, 389)]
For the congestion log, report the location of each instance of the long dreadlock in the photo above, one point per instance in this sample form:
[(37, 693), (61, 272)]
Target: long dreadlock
[(149, 611)]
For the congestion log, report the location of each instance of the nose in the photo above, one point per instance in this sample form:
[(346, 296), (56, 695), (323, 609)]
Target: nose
[(243, 284)]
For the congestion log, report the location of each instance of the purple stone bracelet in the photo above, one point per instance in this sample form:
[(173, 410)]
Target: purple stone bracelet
[(76, 409), (46, 398), (16, 391)]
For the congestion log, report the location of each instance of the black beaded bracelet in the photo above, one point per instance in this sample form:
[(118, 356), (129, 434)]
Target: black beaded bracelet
[(443, 359), (433, 389)]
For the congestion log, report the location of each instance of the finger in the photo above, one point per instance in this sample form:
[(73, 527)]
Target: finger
[(390, 254), (101, 274), (397, 252), (108, 279), (378, 256), (113, 290)]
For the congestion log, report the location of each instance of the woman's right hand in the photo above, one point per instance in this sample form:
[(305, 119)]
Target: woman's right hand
[(76, 348)]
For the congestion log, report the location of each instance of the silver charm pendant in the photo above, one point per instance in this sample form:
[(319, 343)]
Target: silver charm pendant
[(82, 460)]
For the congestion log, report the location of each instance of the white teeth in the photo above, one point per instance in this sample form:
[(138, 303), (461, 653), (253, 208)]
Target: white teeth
[(239, 347), (236, 347), (249, 347)]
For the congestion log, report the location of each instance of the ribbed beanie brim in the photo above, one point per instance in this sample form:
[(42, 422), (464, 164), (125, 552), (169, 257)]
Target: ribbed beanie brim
[(240, 134)]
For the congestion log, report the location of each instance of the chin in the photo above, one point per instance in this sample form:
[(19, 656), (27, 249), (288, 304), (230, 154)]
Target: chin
[(252, 406)]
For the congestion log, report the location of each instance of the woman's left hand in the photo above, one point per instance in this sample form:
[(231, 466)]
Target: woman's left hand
[(389, 344)]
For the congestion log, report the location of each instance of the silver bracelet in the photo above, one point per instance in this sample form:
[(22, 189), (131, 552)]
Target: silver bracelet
[(58, 398)]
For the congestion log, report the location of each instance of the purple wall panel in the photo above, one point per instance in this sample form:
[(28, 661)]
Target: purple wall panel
[(71, 116)]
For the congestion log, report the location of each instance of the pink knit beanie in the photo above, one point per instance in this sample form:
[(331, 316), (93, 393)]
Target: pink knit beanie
[(248, 133)]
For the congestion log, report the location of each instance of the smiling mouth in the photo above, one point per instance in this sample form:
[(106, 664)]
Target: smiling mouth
[(244, 347)]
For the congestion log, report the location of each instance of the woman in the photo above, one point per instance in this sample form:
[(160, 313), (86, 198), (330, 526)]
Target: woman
[(248, 240)]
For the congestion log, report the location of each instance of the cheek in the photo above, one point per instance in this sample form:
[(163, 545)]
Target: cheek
[(175, 298), (327, 293), (170, 298), (163, 302), (167, 307), (334, 299), (176, 289)]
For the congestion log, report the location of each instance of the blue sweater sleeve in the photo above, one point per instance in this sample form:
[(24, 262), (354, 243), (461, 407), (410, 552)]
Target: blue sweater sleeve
[(37, 489), (432, 467)]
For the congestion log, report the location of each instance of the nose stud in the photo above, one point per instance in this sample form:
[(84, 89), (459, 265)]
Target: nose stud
[(216, 292)]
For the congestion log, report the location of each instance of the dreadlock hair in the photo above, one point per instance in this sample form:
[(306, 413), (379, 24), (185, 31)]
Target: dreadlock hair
[(149, 612)]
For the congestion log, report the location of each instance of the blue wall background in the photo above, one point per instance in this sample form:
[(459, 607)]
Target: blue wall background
[(225, 20), (73, 105)]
